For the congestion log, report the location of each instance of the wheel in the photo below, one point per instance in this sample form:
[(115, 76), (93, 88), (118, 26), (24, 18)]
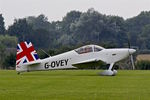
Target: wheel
[(115, 72), (107, 73)]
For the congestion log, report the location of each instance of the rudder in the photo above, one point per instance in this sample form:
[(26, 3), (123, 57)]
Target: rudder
[(25, 53)]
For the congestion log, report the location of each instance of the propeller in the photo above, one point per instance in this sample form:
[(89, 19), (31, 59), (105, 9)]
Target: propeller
[(130, 53), (132, 61)]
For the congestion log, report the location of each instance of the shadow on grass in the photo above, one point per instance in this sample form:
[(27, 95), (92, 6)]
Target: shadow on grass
[(60, 73)]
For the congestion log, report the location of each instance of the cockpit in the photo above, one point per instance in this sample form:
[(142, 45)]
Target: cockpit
[(88, 49)]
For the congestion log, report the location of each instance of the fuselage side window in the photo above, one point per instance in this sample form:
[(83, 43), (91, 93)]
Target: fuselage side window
[(96, 49), (86, 49)]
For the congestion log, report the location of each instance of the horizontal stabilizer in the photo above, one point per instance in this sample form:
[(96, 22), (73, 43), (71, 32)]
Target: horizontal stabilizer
[(33, 63)]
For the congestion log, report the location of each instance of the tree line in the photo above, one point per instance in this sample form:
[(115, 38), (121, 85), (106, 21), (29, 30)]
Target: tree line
[(76, 29)]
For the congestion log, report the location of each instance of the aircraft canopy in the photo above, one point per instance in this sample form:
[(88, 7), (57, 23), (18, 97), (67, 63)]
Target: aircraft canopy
[(88, 49)]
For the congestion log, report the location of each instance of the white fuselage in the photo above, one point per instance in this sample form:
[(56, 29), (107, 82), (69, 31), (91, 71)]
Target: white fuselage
[(66, 60)]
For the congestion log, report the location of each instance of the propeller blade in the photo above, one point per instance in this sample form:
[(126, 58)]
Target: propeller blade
[(129, 46), (131, 56), (132, 62)]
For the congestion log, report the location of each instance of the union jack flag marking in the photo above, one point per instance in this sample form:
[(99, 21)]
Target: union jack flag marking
[(25, 53)]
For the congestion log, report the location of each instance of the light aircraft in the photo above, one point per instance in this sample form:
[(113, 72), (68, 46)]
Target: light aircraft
[(89, 55)]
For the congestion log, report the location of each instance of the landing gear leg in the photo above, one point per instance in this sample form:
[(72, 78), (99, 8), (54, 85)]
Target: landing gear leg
[(109, 72), (111, 66)]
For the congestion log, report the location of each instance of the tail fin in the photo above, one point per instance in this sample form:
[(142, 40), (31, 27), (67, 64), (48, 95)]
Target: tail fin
[(25, 53)]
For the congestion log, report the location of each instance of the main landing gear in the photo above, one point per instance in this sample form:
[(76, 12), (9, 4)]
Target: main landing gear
[(109, 72)]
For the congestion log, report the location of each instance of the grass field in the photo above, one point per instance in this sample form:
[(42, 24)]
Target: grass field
[(74, 85)]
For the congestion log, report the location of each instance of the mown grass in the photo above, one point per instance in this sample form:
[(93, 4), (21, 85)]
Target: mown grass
[(74, 85)]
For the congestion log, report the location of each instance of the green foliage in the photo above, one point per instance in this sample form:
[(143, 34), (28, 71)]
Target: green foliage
[(69, 20), (2, 25), (40, 22), (10, 61), (42, 38), (139, 27), (143, 65), (82, 28), (2, 54), (6, 42), (21, 29)]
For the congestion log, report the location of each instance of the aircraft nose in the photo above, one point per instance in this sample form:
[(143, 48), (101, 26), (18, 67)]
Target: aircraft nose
[(131, 51)]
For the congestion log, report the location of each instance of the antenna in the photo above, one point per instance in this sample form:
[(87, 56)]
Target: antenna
[(45, 52)]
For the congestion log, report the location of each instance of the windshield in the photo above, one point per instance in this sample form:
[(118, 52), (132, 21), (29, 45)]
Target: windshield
[(85, 49), (97, 48)]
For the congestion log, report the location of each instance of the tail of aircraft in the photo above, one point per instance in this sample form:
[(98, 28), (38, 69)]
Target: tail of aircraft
[(25, 54)]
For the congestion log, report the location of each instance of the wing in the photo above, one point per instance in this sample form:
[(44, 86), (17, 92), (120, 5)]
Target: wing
[(88, 63)]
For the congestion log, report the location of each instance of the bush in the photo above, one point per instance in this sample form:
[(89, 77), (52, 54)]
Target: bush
[(10, 62), (143, 65)]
